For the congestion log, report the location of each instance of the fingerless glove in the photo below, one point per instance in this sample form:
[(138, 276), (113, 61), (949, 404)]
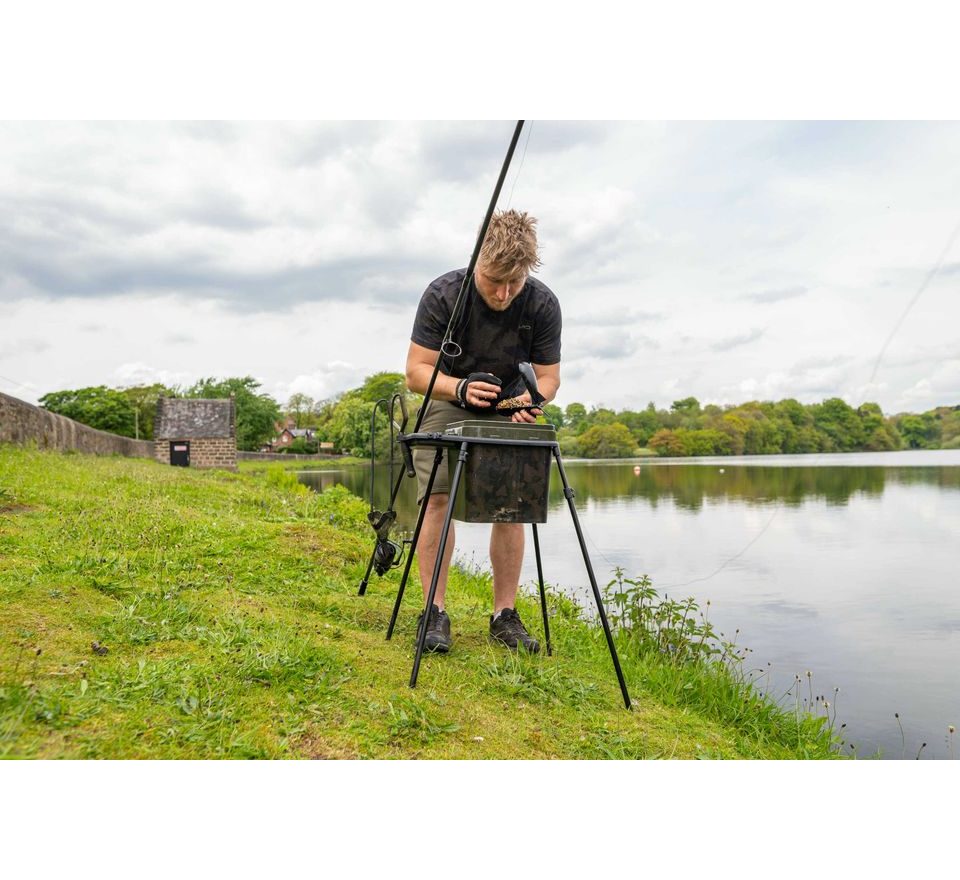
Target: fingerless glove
[(464, 384)]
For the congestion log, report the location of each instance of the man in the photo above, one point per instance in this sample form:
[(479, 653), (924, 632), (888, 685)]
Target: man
[(508, 318)]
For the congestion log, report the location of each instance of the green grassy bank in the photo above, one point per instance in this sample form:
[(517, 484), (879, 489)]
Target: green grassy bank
[(157, 612)]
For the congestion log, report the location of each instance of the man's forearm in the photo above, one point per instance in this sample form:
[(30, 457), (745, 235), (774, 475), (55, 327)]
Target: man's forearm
[(548, 387), (445, 388)]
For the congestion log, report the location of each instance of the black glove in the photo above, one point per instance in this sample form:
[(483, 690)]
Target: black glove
[(510, 400), (464, 384)]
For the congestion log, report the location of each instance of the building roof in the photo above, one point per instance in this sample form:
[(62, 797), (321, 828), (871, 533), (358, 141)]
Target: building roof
[(186, 418)]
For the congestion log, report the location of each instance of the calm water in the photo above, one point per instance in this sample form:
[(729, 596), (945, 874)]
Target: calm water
[(843, 565)]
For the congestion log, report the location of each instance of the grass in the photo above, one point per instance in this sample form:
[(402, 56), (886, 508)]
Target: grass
[(320, 464), (226, 604)]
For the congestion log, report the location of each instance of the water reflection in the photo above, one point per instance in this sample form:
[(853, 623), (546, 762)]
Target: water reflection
[(847, 571), (687, 487)]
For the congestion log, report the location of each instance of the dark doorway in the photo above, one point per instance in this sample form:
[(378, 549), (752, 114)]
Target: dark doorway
[(180, 453)]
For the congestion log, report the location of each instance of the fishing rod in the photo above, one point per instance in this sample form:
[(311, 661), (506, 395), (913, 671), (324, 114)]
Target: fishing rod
[(448, 348), (387, 553)]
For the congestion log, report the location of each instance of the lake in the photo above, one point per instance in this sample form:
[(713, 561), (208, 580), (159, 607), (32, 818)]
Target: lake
[(841, 565)]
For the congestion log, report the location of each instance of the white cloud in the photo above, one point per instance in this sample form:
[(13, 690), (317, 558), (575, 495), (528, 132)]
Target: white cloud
[(706, 259), (137, 373)]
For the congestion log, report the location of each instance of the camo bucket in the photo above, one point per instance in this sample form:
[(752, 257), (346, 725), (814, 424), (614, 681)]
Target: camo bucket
[(502, 483)]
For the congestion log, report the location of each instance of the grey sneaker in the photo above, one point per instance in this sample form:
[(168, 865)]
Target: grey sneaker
[(438, 631), (508, 629)]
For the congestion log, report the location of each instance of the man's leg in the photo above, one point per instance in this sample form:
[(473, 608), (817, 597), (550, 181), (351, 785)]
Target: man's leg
[(428, 544), (506, 557)]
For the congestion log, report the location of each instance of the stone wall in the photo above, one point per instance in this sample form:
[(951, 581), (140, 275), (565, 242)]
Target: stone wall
[(283, 456), (22, 423), (218, 452)]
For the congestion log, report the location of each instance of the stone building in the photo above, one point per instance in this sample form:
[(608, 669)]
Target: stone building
[(196, 433)]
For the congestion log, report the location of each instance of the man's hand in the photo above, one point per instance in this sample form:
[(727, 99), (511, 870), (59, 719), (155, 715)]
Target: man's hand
[(478, 390), (523, 415)]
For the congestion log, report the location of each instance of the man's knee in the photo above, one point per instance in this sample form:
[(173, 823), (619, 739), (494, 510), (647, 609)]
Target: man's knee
[(437, 503)]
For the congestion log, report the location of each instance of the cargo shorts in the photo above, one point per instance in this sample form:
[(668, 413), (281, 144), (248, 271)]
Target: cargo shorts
[(440, 415)]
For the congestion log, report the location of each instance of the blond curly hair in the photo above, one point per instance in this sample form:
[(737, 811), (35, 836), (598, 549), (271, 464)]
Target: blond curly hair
[(511, 244)]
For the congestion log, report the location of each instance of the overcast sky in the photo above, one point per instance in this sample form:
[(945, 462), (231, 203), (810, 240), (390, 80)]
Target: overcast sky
[(729, 261)]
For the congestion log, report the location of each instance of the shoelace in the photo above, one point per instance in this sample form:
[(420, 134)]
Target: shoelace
[(511, 620)]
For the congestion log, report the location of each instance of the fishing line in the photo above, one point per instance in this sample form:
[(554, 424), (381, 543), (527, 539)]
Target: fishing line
[(926, 283), (732, 558), (13, 382), (520, 166), (698, 580), (583, 528)]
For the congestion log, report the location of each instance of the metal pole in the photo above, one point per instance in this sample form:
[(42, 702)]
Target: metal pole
[(421, 640), (416, 537), (568, 494), (543, 594)]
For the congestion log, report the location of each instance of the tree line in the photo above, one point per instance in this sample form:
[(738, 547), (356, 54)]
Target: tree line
[(687, 428), (753, 428)]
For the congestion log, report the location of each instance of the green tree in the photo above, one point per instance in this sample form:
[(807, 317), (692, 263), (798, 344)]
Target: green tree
[(666, 442), (382, 386), (569, 442), (553, 414), (794, 411), (575, 417), (950, 429), (601, 416), (98, 406), (918, 431), (840, 422), (349, 427), (704, 441), (607, 441), (639, 425), (257, 414), (300, 409), (144, 401), (878, 434), (688, 411)]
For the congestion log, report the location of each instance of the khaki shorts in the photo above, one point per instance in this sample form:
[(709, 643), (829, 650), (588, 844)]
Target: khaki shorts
[(440, 415)]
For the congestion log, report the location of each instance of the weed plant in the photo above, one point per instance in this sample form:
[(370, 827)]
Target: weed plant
[(683, 661)]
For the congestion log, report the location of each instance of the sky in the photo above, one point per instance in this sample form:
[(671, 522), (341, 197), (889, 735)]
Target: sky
[(725, 260)]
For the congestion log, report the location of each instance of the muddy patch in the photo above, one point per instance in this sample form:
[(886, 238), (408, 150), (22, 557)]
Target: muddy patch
[(316, 748), (15, 508)]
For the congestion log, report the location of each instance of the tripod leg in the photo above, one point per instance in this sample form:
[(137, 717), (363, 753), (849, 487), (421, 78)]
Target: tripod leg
[(568, 494), (413, 544), (543, 594), (422, 638)]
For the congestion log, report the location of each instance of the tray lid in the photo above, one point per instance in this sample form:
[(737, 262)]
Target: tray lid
[(501, 429)]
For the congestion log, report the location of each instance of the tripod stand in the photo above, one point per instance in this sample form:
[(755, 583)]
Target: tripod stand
[(440, 442)]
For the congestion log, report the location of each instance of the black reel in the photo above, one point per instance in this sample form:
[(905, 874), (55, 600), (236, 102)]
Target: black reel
[(387, 554)]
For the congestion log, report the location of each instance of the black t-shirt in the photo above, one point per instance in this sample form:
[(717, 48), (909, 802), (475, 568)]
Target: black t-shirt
[(492, 342)]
